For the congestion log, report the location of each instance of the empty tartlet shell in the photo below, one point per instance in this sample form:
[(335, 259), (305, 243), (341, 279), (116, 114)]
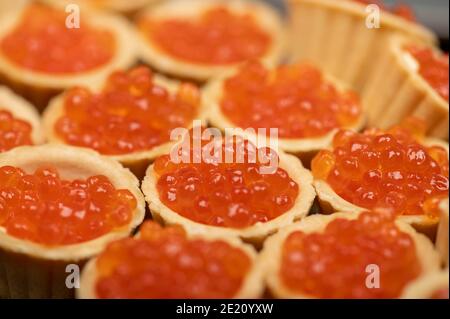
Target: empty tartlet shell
[(442, 233), (254, 234), (252, 286), (397, 90), (33, 270), (425, 286), (266, 17), (23, 110), (305, 148), (271, 255), (39, 87), (331, 202), (323, 31), (137, 162)]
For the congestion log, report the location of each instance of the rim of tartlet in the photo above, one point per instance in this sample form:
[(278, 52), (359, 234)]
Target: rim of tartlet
[(72, 163), (270, 259), (124, 55), (265, 16), (23, 110), (425, 286), (252, 287), (116, 5)]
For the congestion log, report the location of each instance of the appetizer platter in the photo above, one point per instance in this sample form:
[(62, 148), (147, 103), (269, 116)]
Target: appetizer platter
[(220, 149)]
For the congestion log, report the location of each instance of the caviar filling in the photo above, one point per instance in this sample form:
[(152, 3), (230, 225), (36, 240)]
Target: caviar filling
[(131, 114), (433, 67), (336, 262), (164, 263), (296, 99), (13, 132), (386, 169), (218, 36), (43, 208), (42, 42), (217, 192), (440, 294), (402, 10)]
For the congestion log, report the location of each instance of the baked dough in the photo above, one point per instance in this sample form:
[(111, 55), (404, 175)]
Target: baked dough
[(442, 233), (252, 287), (266, 17), (137, 162), (271, 253), (425, 286), (29, 269)]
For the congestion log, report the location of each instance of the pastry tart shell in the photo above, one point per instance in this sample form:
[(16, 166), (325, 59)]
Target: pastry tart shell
[(304, 148), (252, 287), (39, 87), (254, 234), (23, 110), (331, 202), (322, 31), (33, 270), (271, 254), (426, 286), (442, 233), (137, 162), (151, 54), (397, 91)]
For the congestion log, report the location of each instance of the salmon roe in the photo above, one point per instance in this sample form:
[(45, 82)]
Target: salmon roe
[(131, 114), (402, 10), (440, 294), (218, 36), (235, 193), (45, 209), (13, 132), (386, 169), (41, 42), (296, 99), (333, 263), (164, 263), (433, 68)]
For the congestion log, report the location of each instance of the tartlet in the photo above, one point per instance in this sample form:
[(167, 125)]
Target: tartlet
[(134, 131), (431, 286), (322, 31), (14, 109), (246, 199), (323, 256), (200, 266), (411, 80), (62, 186), (305, 105), (61, 56), (442, 233), (398, 168), (175, 36)]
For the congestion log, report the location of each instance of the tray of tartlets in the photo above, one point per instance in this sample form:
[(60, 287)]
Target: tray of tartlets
[(117, 161)]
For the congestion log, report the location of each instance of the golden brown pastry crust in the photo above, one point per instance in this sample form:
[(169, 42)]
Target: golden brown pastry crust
[(137, 162), (39, 87), (266, 17), (254, 234), (19, 258), (271, 254), (23, 110), (442, 233), (127, 7), (389, 100), (305, 148), (252, 286), (331, 202), (425, 286)]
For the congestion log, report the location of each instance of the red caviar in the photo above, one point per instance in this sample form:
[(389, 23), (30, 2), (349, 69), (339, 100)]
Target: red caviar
[(218, 36), (131, 114), (220, 193), (164, 263), (42, 42), (433, 67), (296, 99), (385, 169), (333, 263), (440, 294), (402, 10), (13, 132), (43, 208)]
